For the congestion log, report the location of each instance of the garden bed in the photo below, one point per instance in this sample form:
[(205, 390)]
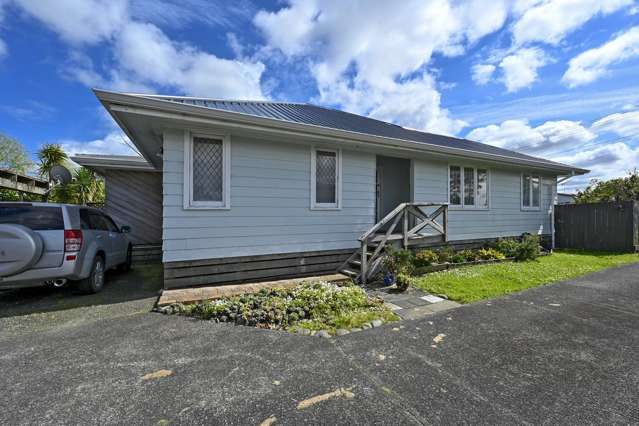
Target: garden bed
[(312, 308)]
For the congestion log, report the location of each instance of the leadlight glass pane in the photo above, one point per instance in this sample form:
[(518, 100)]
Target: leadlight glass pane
[(482, 188), (208, 169), (536, 189), (526, 190), (469, 186), (325, 177), (455, 186)]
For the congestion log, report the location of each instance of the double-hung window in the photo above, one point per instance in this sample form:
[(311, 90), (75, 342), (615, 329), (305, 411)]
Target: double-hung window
[(530, 191), (207, 172), (326, 165), (468, 187)]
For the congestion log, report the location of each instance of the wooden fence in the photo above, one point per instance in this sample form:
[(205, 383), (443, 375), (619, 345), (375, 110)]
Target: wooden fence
[(598, 226)]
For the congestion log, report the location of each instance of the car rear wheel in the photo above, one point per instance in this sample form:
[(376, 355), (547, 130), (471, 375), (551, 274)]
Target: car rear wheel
[(95, 281)]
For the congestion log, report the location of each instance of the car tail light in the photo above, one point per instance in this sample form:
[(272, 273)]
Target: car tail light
[(72, 240)]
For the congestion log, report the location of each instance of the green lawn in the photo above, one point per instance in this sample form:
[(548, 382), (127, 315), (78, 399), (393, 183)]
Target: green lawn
[(472, 283)]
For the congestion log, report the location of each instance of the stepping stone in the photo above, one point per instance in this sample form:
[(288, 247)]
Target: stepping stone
[(432, 299)]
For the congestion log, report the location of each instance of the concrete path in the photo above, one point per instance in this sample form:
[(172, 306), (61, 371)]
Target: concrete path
[(561, 354)]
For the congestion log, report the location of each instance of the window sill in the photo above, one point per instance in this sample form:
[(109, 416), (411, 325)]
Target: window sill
[(530, 209), (206, 207), (464, 208), (321, 208)]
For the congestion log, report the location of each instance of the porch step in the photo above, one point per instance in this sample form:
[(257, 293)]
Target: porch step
[(349, 273)]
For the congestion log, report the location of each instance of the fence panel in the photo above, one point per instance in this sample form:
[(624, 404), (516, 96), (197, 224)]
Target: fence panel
[(598, 226)]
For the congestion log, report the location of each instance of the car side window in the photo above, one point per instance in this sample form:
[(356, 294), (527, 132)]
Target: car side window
[(111, 224), (85, 222), (97, 222)]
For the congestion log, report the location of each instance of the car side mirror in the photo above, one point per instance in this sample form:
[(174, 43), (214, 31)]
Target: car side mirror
[(125, 229)]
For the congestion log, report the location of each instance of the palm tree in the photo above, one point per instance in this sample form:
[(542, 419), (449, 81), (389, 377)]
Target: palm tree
[(50, 155), (86, 186)]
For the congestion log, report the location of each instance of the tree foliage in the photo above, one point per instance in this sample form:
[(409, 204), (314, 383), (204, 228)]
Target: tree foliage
[(13, 155), (85, 188), (50, 155), (613, 190)]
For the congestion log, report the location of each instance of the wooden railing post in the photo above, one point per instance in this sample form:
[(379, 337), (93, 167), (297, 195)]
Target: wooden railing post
[(364, 266), (405, 230), (445, 223)]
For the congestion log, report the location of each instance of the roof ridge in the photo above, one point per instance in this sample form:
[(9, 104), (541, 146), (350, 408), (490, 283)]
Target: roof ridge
[(199, 98)]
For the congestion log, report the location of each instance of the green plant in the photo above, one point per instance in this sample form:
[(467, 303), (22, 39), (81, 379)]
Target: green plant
[(312, 305), (528, 248), (445, 254), (508, 247), (426, 258), (457, 258), (469, 255), (399, 261), (403, 281), (490, 254)]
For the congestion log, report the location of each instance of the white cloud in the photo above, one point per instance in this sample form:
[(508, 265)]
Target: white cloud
[(482, 73), (520, 69), (360, 66), (592, 64), (520, 136), (149, 56), (80, 21), (549, 21), (112, 144), (144, 57), (572, 143), (605, 161), (3, 49), (622, 124)]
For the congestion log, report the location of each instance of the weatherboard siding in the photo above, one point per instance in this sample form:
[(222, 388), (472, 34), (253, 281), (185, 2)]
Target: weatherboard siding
[(504, 216), (270, 204), (134, 198)]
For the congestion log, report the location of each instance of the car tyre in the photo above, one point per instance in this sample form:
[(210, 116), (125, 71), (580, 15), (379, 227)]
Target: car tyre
[(126, 266), (95, 281)]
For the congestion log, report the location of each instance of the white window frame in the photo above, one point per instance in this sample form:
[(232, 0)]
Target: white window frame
[(531, 207), (189, 202), (338, 180), (463, 205)]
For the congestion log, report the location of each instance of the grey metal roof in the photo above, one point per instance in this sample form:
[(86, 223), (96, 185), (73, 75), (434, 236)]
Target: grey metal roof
[(332, 118), (101, 161)]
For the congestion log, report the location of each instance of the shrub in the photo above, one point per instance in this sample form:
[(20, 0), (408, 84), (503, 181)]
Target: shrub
[(528, 248), (508, 247), (399, 261), (470, 255), (490, 254), (426, 258), (457, 258), (445, 254), (403, 281)]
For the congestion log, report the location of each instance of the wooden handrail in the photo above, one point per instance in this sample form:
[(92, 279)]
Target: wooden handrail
[(369, 262), (392, 214)]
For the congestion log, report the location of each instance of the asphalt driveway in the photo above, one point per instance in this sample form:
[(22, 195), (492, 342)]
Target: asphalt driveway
[(567, 353)]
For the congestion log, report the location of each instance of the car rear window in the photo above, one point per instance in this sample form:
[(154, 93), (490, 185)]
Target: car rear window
[(38, 218)]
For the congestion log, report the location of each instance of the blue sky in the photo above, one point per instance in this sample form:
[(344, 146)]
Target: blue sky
[(553, 78)]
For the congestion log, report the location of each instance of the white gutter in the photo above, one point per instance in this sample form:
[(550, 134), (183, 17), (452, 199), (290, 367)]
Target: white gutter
[(135, 104)]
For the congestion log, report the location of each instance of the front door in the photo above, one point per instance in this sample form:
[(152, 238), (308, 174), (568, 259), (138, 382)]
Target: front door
[(393, 184)]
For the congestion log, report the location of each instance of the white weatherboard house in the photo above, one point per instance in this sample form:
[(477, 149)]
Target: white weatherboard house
[(239, 191)]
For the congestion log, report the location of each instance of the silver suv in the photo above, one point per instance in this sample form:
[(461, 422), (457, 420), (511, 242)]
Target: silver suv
[(51, 244)]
